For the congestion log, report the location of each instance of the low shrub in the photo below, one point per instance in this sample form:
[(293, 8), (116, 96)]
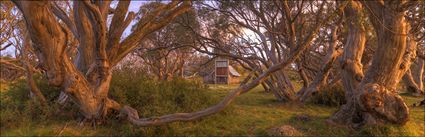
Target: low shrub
[(17, 108), (154, 98), (329, 96)]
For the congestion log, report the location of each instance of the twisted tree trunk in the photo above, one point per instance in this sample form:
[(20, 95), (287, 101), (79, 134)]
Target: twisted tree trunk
[(86, 80), (351, 66), (375, 100)]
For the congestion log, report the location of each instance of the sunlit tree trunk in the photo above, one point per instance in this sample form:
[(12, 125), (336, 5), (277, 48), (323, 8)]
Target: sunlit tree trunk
[(375, 99), (351, 66), (87, 79)]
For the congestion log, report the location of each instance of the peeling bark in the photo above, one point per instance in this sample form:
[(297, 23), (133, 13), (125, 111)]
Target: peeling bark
[(375, 99), (351, 66)]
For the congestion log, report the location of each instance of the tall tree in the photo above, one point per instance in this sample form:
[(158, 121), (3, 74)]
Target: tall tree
[(414, 77), (164, 52), (86, 79), (352, 68), (375, 99)]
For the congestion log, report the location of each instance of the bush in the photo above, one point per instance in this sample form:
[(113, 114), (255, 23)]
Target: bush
[(18, 109), (153, 98), (329, 96)]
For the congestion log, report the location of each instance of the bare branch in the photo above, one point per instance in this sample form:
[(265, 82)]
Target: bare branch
[(131, 42)]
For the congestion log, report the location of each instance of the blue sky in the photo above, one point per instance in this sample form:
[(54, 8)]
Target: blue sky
[(134, 6)]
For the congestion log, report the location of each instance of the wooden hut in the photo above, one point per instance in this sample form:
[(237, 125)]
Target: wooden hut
[(223, 73)]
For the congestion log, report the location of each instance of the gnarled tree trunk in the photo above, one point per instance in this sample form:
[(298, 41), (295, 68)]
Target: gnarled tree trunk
[(86, 80), (375, 99), (351, 66)]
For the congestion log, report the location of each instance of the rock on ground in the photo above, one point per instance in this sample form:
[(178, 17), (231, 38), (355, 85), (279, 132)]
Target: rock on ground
[(284, 130)]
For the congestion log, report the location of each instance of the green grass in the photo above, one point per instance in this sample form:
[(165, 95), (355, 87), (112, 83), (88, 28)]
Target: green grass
[(251, 114)]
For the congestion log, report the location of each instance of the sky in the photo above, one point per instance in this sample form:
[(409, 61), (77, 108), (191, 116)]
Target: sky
[(134, 7)]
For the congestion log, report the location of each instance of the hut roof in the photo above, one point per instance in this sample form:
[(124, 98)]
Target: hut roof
[(234, 72)]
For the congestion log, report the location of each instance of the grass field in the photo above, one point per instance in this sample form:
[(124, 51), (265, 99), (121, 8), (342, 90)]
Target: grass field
[(250, 115)]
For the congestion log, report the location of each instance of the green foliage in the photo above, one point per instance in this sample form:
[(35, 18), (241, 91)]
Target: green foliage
[(17, 108), (329, 96), (128, 87), (154, 98)]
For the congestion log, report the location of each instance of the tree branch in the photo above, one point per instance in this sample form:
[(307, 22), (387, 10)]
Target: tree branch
[(117, 27), (132, 41)]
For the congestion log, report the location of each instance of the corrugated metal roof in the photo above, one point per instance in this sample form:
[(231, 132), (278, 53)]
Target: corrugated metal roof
[(234, 72)]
